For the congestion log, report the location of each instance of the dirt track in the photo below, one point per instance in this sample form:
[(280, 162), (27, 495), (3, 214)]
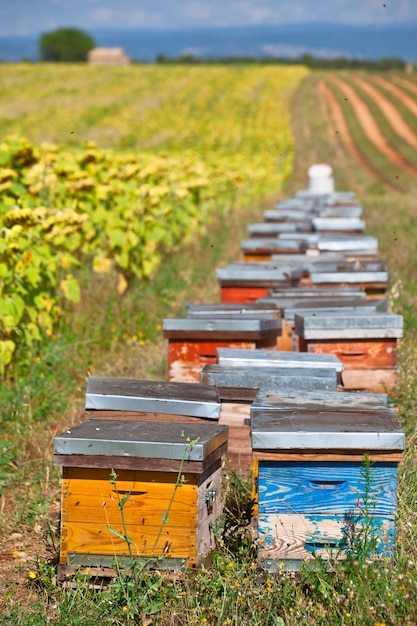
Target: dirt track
[(343, 131), (402, 96), (397, 122), (370, 128)]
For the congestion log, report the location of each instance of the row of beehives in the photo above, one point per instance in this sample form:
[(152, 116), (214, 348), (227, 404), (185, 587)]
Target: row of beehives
[(238, 378)]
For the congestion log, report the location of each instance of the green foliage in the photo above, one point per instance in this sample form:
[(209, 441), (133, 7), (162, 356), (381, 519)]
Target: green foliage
[(66, 45), (117, 213)]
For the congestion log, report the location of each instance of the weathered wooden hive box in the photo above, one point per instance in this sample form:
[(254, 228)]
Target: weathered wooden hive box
[(314, 486), (375, 283), (192, 342), (263, 248), (132, 399), (131, 515), (365, 342), (327, 307), (288, 298), (279, 359), (239, 383), (239, 284), (353, 247)]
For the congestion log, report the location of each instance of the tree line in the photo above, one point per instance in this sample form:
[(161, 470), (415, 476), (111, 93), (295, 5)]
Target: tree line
[(71, 45)]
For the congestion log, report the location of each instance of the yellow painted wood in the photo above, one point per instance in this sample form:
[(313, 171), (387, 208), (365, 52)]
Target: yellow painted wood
[(95, 538), (90, 506)]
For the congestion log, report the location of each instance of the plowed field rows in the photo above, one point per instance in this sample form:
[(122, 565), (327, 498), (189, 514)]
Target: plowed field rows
[(376, 115)]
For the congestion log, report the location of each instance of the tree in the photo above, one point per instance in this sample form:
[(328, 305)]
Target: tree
[(68, 45)]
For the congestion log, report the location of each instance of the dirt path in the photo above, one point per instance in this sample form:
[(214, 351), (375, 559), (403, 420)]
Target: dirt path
[(371, 128), (395, 119), (342, 130), (405, 83), (403, 97)]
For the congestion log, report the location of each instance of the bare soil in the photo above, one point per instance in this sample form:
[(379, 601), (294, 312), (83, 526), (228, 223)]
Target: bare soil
[(370, 127)]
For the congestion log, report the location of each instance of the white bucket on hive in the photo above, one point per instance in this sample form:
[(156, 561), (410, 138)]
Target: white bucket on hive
[(320, 179)]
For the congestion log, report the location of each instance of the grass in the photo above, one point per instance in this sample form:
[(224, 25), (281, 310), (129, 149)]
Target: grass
[(112, 337)]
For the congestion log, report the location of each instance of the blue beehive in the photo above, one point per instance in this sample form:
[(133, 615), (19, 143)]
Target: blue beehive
[(315, 493)]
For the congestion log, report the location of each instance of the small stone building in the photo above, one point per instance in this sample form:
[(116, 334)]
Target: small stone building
[(108, 56)]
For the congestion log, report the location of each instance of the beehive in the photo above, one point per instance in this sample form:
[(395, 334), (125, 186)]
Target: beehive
[(374, 283), (146, 511), (312, 485), (365, 342), (132, 399), (192, 342), (241, 285), (290, 298), (263, 248), (238, 385)]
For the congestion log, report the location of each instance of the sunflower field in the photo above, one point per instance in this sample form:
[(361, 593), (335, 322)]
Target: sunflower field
[(115, 168)]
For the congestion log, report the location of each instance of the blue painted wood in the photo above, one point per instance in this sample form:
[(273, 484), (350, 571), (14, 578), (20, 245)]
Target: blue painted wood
[(296, 536), (325, 487)]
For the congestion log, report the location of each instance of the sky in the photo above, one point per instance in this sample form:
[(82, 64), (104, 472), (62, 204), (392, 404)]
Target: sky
[(31, 17)]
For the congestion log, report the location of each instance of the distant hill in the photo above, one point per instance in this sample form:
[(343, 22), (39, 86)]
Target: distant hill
[(323, 40)]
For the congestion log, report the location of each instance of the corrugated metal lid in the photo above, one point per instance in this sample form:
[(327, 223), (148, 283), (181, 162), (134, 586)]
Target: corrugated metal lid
[(298, 429), (148, 440), (150, 396)]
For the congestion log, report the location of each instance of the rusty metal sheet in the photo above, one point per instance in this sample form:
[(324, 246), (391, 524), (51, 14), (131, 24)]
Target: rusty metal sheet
[(275, 358), (152, 396), (148, 440), (330, 429), (291, 398)]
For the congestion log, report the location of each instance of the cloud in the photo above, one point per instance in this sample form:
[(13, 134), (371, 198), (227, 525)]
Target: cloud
[(29, 16)]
